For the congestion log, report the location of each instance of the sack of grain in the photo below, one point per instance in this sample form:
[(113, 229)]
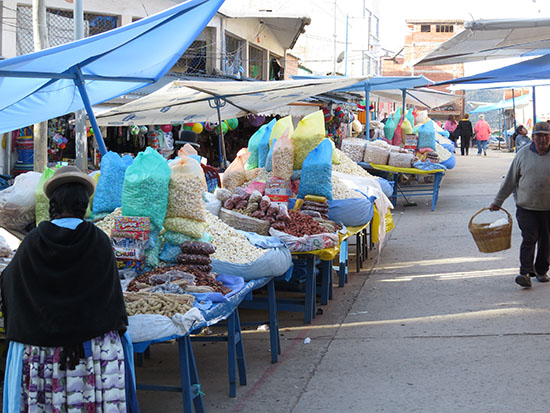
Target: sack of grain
[(401, 160), (376, 154)]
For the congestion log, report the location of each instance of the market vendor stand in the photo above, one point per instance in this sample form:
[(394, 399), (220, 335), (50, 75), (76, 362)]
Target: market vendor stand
[(416, 190), (190, 386)]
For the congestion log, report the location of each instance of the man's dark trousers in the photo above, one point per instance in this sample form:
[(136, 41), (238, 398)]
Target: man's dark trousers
[(535, 231)]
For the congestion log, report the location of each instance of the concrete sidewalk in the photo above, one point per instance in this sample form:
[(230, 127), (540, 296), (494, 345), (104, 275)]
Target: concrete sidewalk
[(436, 327)]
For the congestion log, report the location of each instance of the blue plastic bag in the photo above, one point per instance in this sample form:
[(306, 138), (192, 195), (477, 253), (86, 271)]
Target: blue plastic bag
[(426, 136), (269, 159), (316, 176), (449, 163), (352, 212), (170, 253), (108, 194), (263, 147), (387, 186)]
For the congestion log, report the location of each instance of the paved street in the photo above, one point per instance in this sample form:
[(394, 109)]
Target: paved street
[(434, 326)]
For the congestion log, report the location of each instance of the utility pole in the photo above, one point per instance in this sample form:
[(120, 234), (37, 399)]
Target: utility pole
[(40, 38), (334, 56), (81, 140)]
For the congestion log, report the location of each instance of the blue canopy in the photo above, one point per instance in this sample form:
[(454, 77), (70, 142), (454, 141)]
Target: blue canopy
[(534, 70), (504, 104), (53, 82)]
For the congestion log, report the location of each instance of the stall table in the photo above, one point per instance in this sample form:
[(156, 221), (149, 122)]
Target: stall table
[(413, 190)]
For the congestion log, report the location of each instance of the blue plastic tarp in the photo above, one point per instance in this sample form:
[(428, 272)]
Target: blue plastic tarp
[(380, 83), (41, 85)]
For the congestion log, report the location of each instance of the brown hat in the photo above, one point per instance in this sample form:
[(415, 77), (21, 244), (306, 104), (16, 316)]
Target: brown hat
[(542, 127), (65, 175)]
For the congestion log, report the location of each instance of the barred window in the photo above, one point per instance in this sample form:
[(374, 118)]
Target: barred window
[(444, 28), (60, 27), (256, 63)]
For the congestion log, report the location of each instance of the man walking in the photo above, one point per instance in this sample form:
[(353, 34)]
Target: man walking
[(465, 131), (529, 179), (483, 131)]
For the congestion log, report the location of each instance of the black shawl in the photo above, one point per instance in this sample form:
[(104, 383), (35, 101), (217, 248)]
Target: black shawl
[(62, 287)]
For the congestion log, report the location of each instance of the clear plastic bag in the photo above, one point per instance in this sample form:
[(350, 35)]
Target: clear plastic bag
[(235, 175), (187, 184), (145, 190), (283, 157), (17, 202), (42, 212), (191, 227)]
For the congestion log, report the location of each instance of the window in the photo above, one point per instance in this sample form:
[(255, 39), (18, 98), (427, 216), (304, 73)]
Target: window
[(444, 28), (193, 61), (233, 64), (425, 28), (60, 27), (276, 70), (255, 63)]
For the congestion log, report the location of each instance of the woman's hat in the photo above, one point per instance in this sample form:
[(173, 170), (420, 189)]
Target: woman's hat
[(65, 175)]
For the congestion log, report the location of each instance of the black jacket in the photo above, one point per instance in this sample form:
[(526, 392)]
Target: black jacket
[(62, 287), (464, 129)]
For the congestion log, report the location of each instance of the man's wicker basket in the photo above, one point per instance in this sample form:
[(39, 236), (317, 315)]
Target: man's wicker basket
[(491, 239)]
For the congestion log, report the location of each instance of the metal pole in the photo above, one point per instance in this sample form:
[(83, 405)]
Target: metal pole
[(40, 131), (514, 108), (222, 140), (347, 30), (334, 56), (81, 140), (404, 92), (534, 108), (80, 84), (367, 109)]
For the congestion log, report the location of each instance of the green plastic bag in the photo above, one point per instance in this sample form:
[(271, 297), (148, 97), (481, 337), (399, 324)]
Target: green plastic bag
[(145, 188), (42, 212), (410, 117), (253, 144)]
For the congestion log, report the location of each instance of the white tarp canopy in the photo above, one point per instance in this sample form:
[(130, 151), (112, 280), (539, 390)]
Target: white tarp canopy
[(418, 97), (194, 101), (493, 39)]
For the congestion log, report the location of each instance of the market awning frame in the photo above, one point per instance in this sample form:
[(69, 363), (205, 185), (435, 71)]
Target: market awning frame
[(37, 86)]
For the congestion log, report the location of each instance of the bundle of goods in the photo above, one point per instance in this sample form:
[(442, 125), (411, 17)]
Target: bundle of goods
[(377, 152), (157, 303), (231, 246), (108, 193), (253, 212), (316, 176), (354, 148), (283, 157), (130, 237), (433, 157), (304, 233), (17, 202), (314, 207), (401, 159), (236, 175)]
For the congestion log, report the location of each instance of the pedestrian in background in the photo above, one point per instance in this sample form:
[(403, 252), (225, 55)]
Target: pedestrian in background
[(482, 131), (520, 138), (527, 179), (450, 126), (465, 131)]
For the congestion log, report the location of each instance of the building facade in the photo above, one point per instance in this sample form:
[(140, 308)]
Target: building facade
[(423, 36)]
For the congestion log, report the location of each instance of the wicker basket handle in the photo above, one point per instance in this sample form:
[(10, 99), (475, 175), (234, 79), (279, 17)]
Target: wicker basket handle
[(485, 209)]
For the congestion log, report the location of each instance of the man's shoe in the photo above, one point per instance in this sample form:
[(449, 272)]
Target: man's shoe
[(484, 153), (523, 280), (543, 278)]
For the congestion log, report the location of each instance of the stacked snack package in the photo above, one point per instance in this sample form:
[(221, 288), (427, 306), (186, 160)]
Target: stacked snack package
[(129, 237)]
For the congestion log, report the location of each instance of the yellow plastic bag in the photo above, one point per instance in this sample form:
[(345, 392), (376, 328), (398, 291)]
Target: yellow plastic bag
[(280, 127), (191, 227), (235, 175), (187, 184), (308, 135)]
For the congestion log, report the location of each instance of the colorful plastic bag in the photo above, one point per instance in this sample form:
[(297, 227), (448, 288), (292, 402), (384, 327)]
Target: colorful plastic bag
[(187, 184), (253, 144), (307, 136), (426, 136), (269, 160), (263, 147), (398, 134), (280, 127), (283, 157), (406, 128), (235, 175), (316, 178), (145, 189), (108, 193)]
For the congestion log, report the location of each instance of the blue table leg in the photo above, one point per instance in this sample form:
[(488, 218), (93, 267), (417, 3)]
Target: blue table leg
[(437, 181), (273, 322), (309, 310), (358, 252), (395, 189), (325, 281), (241, 364), (343, 263), (190, 386), (231, 356)]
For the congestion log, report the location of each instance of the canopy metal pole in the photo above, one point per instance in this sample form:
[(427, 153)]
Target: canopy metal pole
[(534, 108), (222, 140), (367, 109), (347, 30), (81, 140), (404, 92), (514, 109), (80, 84)]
